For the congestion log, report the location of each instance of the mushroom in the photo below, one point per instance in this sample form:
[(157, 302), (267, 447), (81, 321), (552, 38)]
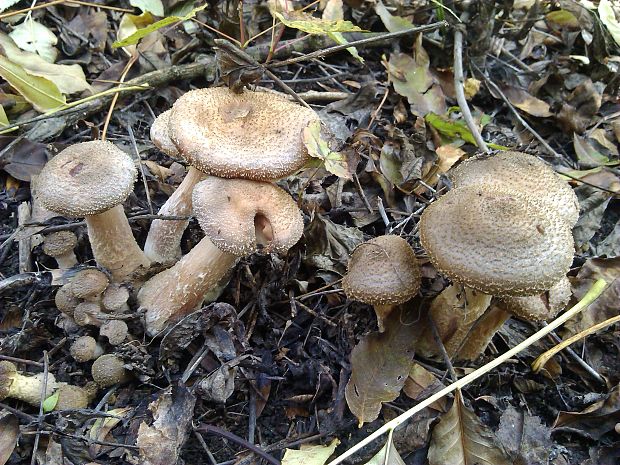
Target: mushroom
[(23, 387), (115, 331), (163, 243), (74, 397), (88, 314), (60, 245), (252, 135), (108, 370), (65, 300), (382, 272), (85, 348), (114, 298), (88, 284), (497, 241), (92, 179), (238, 217), (521, 172)]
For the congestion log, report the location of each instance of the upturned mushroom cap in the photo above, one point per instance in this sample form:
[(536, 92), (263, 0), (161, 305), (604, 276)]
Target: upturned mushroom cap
[(108, 370), (160, 135), (88, 283), (238, 215), (522, 172), (65, 300), (501, 242), (382, 271), (86, 179), (253, 135), (115, 331), (539, 307), (59, 243), (85, 348)]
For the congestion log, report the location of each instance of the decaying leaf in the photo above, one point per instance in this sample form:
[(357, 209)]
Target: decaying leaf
[(460, 438), (392, 23), (597, 419), (521, 99), (161, 442), (69, 79), (42, 93), (149, 6), (334, 162), (457, 129), (412, 78), (608, 18), (34, 37), (380, 364), (309, 454), (388, 455), (421, 384), (587, 154), (307, 23), (9, 432), (526, 439), (102, 427)]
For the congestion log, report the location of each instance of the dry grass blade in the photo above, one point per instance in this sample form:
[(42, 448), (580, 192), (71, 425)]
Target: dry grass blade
[(542, 360)]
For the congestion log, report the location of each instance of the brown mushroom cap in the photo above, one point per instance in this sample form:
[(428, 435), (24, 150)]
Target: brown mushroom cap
[(65, 300), (252, 135), (500, 242), (540, 307), (87, 313), (522, 172), (88, 283), (160, 135), (114, 298), (115, 331), (238, 214), (85, 348), (108, 370), (86, 179), (59, 243), (382, 271), (71, 397)]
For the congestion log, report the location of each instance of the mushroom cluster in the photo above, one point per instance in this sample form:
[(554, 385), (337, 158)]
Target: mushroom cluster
[(503, 231), (236, 146)]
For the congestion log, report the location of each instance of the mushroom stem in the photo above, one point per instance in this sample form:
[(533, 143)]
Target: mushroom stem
[(383, 312), (454, 312), (113, 244), (66, 261), (177, 291), (22, 387), (163, 243)]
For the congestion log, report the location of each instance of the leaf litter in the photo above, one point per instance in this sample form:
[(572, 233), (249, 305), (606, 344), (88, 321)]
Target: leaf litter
[(282, 358)]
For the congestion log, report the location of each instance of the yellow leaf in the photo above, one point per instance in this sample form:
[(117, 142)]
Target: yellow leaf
[(335, 162), (311, 25), (309, 454), (42, 93)]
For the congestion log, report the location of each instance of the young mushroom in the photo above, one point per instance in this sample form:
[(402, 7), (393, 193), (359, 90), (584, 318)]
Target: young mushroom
[(115, 331), (382, 272), (24, 387), (72, 397), (85, 348), (88, 284), (91, 180), (109, 370), (497, 241), (238, 217), (65, 300), (60, 245), (114, 298)]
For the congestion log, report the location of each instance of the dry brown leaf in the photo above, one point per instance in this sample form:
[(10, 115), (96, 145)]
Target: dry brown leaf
[(524, 101), (526, 439), (388, 455), (421, 384), (9, 432), (380, 364), (597, 419), (460, 438)]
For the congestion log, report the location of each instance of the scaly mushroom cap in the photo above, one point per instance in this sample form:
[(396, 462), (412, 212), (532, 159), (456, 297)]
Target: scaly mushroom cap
[(253, 135), (72, 397), (238, 214), (88, 283), (59, 243), (160, 135), (382, 271), (86, 179), (108, 370), (65, 300), (522, 172), (115, 331), (500, 242), (540, 307), (87, 314), (85, 348), (115, 298)]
